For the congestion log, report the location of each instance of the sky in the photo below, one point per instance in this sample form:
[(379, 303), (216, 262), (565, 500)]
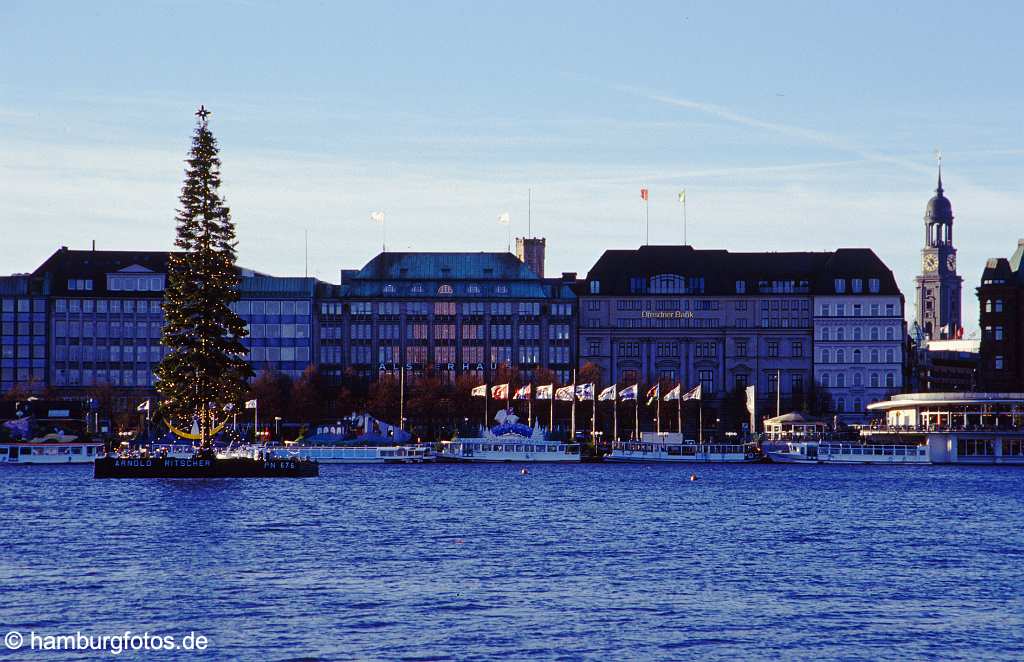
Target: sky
[(792, 126)]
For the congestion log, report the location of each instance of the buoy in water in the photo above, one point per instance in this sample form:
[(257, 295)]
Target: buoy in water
[(524, 472), (693, 477)]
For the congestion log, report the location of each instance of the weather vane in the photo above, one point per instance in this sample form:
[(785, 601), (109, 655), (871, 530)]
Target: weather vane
[(938, 156), (202, 114)]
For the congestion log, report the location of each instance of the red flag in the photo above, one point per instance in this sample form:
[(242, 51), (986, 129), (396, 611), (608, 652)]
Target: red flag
[(643, 193)]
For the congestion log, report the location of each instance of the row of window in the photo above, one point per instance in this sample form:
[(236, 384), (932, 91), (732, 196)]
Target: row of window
[(857, 285), (875, 380), (856, 356), (857, 310), (144, 306), (839, 333), (23, 305)]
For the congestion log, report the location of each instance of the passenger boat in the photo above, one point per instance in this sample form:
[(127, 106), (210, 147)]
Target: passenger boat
[(510, 441), (838, 452), (50, 449), (672, 447), (340, 454)]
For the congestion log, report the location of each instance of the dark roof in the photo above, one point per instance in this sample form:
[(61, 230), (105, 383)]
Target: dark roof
[(813, 272), (1002, 271), (472, 275), (65, 264), (939, 207)]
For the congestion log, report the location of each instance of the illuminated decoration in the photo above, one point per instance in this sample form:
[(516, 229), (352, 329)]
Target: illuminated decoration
[(195, 437), (205, 369)]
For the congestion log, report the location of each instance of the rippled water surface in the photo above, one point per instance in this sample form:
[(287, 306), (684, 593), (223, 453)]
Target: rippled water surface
[(587, 561)]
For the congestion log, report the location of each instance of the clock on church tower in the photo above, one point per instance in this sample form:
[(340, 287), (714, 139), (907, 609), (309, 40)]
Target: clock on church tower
[(938, 286)]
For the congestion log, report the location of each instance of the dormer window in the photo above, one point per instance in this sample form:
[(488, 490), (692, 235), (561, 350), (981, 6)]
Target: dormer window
[(857, 285), (840, 286), (80, 284), (595, 287), (874, 285), (741, 287)]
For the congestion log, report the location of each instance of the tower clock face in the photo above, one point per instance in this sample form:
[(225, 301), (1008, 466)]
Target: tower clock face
[(951, 262), (930, 263)]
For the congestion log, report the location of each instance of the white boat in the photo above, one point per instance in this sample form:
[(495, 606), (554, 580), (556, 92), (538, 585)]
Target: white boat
[(672, 447), (51, 449), (509, 441), (836, 452), (401, 454), (395, 454)]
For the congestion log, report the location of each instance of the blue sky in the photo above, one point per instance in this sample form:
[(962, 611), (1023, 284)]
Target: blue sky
[(801, 126)]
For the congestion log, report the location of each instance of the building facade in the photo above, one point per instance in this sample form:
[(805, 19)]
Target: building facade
[(729, 320), (23, 334), (1001, 302), (448, 313), (939, 286), (859, 331)]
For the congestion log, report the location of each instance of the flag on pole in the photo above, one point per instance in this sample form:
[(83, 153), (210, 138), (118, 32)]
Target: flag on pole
[(229, 406), (609, 393), (499, 392), (479, 391), (504, 218), (377, 217), (674, 393), (585, 391), (653, 394), (643, 194), (751, 398), (250, 404), (143, 406), (692, 394), (564, 393), (682, 196), (629, 393), (523, 393), (544, 392)]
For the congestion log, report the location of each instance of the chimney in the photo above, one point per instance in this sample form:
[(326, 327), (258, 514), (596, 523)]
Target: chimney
[(530, 251)]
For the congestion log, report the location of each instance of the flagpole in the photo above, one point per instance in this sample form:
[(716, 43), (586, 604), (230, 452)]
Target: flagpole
[(684, 218), (487, 396), (700, 415), (679, 411), (401, 400), (256, 421), (647, 212), (636, 408), (658, 408), (615, 415), (551, 404), (778, 393), (593, 420), (572, 424), (529, 409)]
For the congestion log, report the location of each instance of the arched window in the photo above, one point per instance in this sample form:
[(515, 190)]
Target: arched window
[(824, 380), (857, 379), (856, 405), (841, 405), (890, 356), (874, 356), (874, 333), (840, 380), (445, 291), (856, 356), (874, 380), (856, 333), (826, 356), (840, 356), (390, 288), (824, 333), (988, 305), (840, 334), (890, 379), (667, 284), (890, 333)]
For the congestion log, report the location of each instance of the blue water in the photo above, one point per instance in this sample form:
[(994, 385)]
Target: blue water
[(479, 562)]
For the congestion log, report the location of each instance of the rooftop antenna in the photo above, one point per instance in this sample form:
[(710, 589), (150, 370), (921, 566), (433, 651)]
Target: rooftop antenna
[(529, 212)]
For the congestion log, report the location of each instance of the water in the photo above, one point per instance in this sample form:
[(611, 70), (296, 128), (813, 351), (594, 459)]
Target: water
[(479, 562)]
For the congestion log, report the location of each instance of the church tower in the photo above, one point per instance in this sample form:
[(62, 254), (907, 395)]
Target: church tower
[(938, 286)]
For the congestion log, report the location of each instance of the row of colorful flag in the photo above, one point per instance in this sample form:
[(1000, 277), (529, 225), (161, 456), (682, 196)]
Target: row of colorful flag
[(585, 392), (645, 195)]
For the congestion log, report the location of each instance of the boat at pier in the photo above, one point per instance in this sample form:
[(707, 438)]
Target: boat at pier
[(846, 452), (672, 447), (355, 454), (50, 449), (509, 441)]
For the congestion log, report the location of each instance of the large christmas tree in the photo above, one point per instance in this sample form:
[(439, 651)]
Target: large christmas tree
[(205, 370)]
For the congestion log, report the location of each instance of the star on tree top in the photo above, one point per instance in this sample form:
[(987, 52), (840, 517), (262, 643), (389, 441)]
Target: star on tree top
[(202, 114)]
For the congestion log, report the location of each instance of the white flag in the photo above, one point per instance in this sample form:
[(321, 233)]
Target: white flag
[(479, 391), (608, 394), (674, 393), (751, 398), (564, 393), (250, 404), (377, 217), (143, 406), (629, 393), (585, 391), (544, 392), (692, 394), (504, 218)]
